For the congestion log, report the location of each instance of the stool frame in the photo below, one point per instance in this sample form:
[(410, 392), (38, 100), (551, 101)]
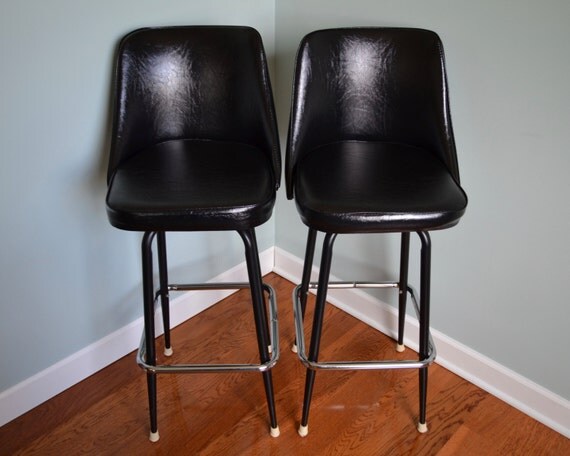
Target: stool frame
[(265, 323), (427, 351)]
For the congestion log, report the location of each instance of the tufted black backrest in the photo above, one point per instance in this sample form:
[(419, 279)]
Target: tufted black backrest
[(195, 82), (370, 84)]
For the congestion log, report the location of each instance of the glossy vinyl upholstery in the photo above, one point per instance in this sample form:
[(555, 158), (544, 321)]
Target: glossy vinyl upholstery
[(370, 146), (195, 144), (201, 185), (368, 186)]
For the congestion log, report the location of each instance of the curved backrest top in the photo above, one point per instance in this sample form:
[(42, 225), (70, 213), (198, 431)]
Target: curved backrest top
[(194, 82), (370, 84)]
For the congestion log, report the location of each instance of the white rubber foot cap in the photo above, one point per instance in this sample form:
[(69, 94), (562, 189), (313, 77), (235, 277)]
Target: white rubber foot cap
[(153, 437), (400, 348), (303, 430), (422, 428), (274, 432), (168, 351), (294, 348)]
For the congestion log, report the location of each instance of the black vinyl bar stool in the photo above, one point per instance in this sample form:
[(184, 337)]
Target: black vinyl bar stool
[(371, 150), (195, 148)]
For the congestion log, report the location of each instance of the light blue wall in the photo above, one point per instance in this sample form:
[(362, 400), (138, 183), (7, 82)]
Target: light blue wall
[(499, 277), (67, 277)]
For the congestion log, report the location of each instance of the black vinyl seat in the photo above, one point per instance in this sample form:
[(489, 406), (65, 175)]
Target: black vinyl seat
[(371, 150), (206, 185), (195, 148), (366, 186)]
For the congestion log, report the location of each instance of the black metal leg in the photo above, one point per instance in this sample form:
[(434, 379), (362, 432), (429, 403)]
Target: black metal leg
[(148, 300), (425, 273), (324, 274), (306, 278), (403, 288), (164, 297), (260, 316), (307, 267)]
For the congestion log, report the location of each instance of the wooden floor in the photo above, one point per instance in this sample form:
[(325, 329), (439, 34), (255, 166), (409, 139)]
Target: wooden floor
[(353, 413)]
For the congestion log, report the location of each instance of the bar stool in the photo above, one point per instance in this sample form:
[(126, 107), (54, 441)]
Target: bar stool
[(371, 150), (195, 148)]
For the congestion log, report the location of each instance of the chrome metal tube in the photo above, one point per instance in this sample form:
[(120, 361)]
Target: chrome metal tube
[(208, 368), (356, 365)]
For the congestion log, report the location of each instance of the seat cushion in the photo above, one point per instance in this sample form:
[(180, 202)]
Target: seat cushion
[(192, 185), (359, 186)]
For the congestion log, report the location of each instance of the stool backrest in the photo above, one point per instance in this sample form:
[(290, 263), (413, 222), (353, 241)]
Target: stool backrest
[(370, 84), (195, 82)]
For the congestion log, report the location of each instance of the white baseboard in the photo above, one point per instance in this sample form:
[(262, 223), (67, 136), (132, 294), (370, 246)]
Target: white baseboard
[(512, 388), (37, 389), (516, 390)]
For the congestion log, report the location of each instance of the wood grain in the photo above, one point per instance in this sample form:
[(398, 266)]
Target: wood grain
[(353, 413)]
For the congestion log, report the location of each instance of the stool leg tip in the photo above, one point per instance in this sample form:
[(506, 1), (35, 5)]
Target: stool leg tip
[(422, 428), (274, 431), (153, 437), (294, 348), (303, 430), (168, 351), (400, 348)]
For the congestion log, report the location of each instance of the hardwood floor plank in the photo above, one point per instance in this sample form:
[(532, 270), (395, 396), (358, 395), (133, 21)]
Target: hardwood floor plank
[(353, 413)]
